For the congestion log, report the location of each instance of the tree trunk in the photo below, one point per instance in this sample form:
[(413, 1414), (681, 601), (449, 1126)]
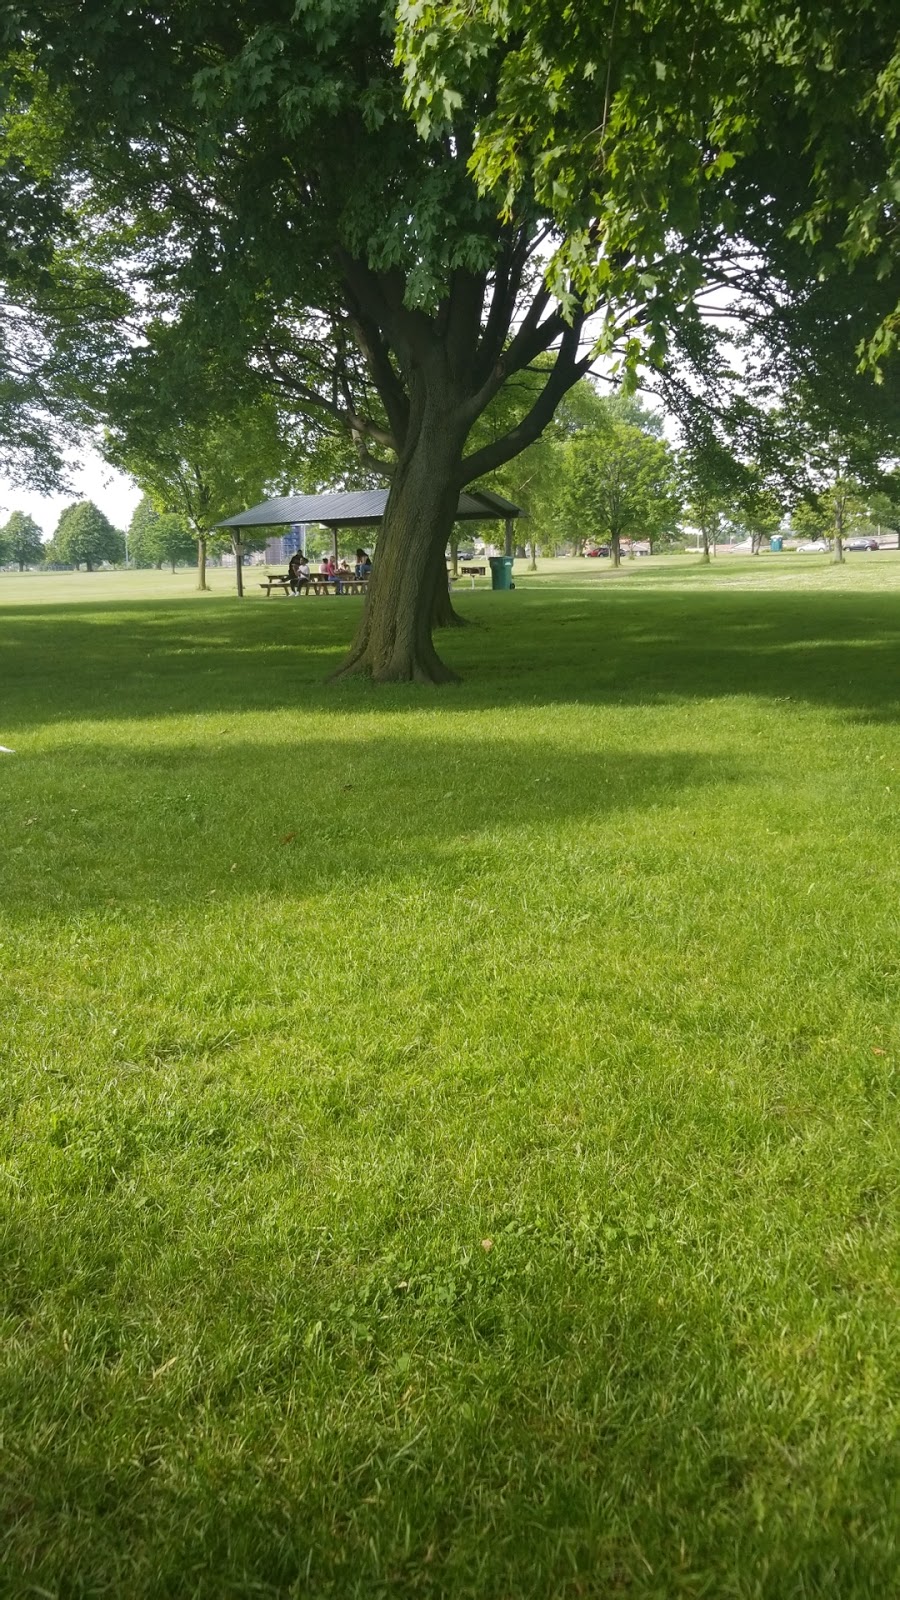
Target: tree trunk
[(454, 555), (21, 566), (442, 612), (704, 558), (532, 565), (838, 552), (88, 566), (615, 550), (201, 562), (409, 576)]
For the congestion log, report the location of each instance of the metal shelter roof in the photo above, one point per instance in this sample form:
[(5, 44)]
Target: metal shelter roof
[(360, 510)]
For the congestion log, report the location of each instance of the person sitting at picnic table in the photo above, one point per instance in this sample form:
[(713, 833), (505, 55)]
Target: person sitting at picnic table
[(298, 572), (363, 564)]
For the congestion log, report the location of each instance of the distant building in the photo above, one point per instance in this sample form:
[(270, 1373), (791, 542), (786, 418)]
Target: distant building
[(279, 551)]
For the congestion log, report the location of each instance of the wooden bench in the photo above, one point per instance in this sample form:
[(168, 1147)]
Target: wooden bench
[(316, 584), (319, 584), (472, 573)]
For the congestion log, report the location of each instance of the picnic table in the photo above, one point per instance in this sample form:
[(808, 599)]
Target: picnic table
[(318, 583)]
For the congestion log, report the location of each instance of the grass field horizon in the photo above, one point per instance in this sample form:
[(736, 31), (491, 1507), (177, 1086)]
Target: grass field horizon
[(449, 1136)]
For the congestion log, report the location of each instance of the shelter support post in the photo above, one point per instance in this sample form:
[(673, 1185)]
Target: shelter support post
[(334, 543), (238, 549)]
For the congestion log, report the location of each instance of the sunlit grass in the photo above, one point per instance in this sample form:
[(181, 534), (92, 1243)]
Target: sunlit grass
[(449, 1141)]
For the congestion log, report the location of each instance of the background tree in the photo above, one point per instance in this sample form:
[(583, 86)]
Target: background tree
[(759, 509), (172, 541), (619, 483), (200, 448), (534, 480), (844, 502), (811, 521), (141, 549), (84, 536), (21, 541), (884, 513), (712, 481), (155, 538)]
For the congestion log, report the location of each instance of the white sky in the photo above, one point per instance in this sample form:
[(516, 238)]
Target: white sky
[(91, 479)]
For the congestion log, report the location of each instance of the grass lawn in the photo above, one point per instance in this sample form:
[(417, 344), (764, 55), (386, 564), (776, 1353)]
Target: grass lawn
[(448, 1137)]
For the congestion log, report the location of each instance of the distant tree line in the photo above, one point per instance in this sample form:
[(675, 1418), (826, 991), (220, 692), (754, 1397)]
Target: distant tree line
[(601, 475)]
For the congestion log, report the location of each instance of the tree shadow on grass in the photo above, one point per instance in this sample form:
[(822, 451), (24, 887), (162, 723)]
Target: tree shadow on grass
[(113, 661), (131, 824)]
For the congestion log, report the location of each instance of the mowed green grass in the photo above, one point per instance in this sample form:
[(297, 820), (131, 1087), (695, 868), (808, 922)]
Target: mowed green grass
[(449, 1137)]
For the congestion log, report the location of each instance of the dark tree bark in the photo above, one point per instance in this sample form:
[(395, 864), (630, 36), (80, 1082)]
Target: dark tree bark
[(435, 375), (443, 615), (201, 562), (409, 579)]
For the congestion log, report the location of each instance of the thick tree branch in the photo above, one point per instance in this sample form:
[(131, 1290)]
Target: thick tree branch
[(532, 339), (385, 469), (566, 372), (380, 297), (464, 310), (507, 283), (376, 355)]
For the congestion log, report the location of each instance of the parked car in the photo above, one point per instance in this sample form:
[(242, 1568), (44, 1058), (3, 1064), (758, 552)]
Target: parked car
[(813, 547), (598, 550), (862, 544)]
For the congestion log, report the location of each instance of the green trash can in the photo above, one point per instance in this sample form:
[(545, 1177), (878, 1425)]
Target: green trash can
[(501, 572), (776, 543)]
